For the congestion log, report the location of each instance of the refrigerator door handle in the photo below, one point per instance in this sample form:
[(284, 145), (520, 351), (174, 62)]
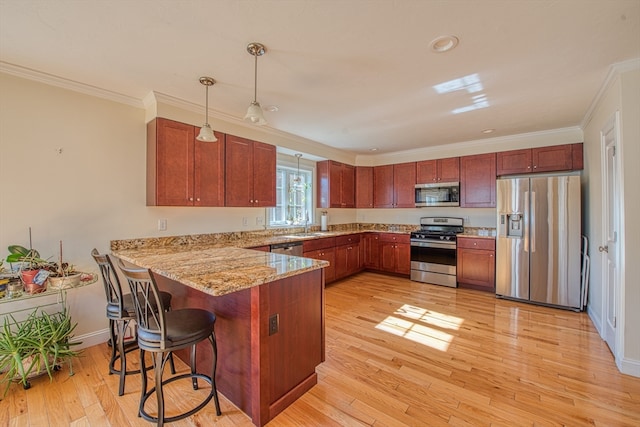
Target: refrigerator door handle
[(526, 221), (532, 221)]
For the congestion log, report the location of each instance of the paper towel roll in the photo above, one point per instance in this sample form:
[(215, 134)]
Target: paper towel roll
[(323, 223)]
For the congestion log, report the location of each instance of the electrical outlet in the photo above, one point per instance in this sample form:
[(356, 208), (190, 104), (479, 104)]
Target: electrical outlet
[(245, 221), (466, 220), (274, 323), (259, 220), (162, 224)]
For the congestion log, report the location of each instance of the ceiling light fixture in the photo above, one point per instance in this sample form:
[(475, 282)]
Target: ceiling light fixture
[(443, 44), (206, 133), (488, 130), (254, 113)]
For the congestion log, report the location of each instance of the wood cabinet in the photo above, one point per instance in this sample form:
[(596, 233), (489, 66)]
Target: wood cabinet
[(394, 185), (182, 171), (478, 181), (439, 170), (250, 173), (364, 187), (556, 158), (322, 249), (476, 264), (371, 251), (395, 253), (348, 260), (335, 185)]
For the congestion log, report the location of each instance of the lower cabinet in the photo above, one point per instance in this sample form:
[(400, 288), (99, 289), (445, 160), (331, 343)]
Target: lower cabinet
[(476, 263), (325, 250), (395, 253), (371, 251), (348, 259)]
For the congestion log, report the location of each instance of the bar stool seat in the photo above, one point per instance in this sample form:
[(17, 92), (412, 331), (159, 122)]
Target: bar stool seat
[(120, 312), (162, 333)]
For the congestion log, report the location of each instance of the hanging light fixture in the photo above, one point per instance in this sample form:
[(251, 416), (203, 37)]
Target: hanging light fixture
[(254, 113), (206, 133)]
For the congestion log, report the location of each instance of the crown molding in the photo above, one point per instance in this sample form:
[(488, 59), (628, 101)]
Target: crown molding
[(614, 71), (50, 79)]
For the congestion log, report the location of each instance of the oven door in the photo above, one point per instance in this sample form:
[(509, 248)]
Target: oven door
[(434, 262)]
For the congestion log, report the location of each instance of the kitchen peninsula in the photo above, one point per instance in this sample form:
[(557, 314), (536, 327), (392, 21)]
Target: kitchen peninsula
[(269, 308)]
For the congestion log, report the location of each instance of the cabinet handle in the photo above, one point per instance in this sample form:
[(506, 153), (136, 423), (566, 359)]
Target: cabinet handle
[(198, 199), (256, 201), (528, 167), (535, 167), (475, 243), (191, 199)]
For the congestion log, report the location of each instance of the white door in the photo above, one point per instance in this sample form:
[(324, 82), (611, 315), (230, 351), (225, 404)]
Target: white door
[(609, 247)]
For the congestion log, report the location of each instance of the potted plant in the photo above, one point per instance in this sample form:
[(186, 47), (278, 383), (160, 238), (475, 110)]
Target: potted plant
[(35, 346), (30, 265)]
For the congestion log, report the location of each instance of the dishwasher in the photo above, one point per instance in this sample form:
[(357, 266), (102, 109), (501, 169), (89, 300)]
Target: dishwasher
[(291, 248)]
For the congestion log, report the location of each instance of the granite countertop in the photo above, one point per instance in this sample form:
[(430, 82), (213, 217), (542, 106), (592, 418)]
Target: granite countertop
[(220, 263), (219, 271)]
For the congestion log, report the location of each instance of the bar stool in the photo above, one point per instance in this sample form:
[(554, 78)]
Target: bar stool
[(120, 312), (161, 333)]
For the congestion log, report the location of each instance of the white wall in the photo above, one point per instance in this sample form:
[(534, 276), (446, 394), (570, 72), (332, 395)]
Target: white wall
[(622, 93)]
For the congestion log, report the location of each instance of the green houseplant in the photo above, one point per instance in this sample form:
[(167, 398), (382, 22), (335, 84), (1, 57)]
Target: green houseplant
[(29, 266), (36, 346)]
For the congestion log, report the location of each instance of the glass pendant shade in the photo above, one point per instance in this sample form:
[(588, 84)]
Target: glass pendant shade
[(254, 114), (206, 134)]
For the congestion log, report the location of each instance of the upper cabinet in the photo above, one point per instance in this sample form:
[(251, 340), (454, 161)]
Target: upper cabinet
[(555, 158), (364, 186), (394, 185), (182, 171), (440, 170), (250, 173), (335, 184), (478, 181)]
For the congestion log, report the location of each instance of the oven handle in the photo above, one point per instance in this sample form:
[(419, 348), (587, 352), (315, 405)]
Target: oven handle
[(443, 245)]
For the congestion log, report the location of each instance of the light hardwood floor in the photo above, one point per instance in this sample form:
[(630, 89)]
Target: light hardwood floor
[(398, 353)]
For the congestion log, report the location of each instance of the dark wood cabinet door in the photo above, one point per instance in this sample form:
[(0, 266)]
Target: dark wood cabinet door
[(170, 154), (238, 171), (354, 263), (342, 266), (364, 187), (513, 162), (348, 187), (264, 175), (426, 171), (326, 254), (371, 251), (383, 186), (448, 170), (404, 183), (478, 181), (551, 159), (476, 267), (335, 184), (388, 256), (209, 172), (403, 251)]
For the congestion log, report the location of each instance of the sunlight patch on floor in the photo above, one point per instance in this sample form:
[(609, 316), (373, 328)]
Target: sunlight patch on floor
[(414, 322)]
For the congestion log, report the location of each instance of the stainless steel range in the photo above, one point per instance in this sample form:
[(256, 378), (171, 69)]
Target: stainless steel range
[(433, 250)]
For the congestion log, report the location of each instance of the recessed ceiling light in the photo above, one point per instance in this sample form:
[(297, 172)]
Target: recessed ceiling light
[(488, 130), (271, 108), (443, 44), (373, 149)]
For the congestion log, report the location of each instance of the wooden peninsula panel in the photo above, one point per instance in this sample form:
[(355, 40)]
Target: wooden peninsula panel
[(262, 374)]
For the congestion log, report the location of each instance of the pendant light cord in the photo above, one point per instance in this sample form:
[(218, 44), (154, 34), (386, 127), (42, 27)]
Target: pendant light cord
[(206, 103), (255, 77)]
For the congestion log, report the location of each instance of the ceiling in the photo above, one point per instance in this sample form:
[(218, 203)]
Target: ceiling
[(352, 74)]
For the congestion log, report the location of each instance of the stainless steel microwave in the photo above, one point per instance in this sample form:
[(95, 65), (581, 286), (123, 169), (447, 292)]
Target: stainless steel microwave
[(438, 194)]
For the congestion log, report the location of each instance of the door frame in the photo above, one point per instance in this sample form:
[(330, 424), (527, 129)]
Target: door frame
[(612, 128)]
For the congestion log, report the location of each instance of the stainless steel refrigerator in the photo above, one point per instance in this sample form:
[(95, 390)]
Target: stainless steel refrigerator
[(538, 240)]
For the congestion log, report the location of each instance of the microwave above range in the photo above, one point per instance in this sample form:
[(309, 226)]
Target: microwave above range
[(438, 194)]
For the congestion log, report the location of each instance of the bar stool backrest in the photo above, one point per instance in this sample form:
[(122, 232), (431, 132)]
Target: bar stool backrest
[(111, 283), (152, 333)]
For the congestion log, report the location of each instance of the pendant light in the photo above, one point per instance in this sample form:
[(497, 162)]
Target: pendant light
[(206, 133), (254, 113)]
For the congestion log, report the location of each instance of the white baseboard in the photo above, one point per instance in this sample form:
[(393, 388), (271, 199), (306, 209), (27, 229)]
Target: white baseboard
[(629, 366), (92, 338), (595, 320)]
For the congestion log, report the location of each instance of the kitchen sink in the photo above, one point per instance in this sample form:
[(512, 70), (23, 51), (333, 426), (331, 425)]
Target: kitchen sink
[(305, 235)]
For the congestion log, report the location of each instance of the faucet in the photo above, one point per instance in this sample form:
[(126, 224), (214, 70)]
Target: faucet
[(306, 222)]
